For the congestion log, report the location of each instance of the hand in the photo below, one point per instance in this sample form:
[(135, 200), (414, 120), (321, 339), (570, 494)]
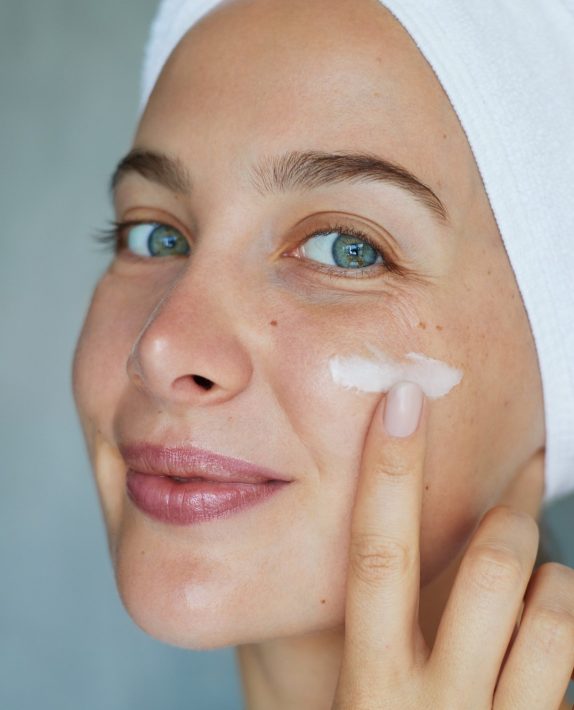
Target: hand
[(482, 658)]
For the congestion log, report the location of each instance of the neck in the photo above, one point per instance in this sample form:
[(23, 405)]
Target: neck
[(291, 673), (302, 671)]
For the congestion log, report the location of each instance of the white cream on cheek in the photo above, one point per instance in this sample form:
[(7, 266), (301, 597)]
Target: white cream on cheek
[(435, 378)]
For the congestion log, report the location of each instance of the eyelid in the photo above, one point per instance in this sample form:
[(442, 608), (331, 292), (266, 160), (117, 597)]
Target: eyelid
[(153, 215)]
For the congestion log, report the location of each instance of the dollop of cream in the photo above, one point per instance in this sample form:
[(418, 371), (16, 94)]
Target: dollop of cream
[(379, 374)]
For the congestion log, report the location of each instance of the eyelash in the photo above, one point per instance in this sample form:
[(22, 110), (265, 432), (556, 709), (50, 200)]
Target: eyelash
[(112, 239)]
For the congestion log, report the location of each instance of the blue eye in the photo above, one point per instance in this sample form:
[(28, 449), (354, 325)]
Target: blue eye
[(341, 248), (152, 239)]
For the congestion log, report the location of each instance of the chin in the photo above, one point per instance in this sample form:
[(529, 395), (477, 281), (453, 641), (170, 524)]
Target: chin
[(175, 607), (175, 621), (169, 614)]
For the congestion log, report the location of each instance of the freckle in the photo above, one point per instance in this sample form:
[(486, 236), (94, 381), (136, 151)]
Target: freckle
[(426, 488), (444, 135), (422, 325), (506, 402), (438, 327), (322, 601), (489, 272), (273, 322)]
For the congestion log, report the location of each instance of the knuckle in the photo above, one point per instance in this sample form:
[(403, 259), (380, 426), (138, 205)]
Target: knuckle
[(556, 575), (391, 470), (375, 558), (494, 567), (552, 628)]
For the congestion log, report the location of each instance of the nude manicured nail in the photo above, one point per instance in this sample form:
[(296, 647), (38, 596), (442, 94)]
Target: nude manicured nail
[(402, 409)]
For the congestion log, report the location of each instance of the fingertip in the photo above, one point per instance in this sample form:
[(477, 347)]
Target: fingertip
[(402, 409)]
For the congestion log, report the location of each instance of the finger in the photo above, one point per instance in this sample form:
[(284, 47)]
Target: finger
[(383, 574), (540, 663), (485, 600), (526, 489)]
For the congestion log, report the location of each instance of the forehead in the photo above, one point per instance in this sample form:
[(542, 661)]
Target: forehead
[(263, 76)]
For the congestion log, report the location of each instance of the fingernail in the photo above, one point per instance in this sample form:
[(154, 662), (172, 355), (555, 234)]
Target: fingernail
[(402, 409)]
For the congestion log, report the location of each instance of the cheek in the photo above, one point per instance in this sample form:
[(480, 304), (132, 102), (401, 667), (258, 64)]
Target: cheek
[(332, 421), (99, 379), (484, 430), (111, 327)]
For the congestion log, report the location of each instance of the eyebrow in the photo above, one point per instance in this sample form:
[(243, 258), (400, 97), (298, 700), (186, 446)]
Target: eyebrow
[(291, 171), (157, 167)]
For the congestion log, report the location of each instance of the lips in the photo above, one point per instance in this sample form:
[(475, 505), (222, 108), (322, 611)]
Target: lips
[(186, 463), (187, 485)]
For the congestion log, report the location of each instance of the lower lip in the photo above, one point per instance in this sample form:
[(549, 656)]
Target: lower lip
[(194, 501)]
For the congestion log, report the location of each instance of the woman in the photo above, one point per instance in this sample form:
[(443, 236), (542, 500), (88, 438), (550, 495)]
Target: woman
[(311, 352)]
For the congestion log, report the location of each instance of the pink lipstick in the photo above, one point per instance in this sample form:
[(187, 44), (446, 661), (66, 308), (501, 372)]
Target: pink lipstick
[(187, 485)]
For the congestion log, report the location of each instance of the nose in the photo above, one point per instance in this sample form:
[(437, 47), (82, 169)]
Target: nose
[(189, 351)]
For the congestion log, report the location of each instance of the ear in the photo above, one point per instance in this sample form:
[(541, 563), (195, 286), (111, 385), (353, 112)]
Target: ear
[(526, 489)]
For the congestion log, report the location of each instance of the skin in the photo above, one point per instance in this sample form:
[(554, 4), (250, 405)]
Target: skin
[(272, 580)]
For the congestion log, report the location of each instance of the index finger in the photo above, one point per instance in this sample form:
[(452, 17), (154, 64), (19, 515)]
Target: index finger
[(381, 617)]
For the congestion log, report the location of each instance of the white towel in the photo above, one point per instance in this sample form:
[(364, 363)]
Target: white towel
[(508, 70)]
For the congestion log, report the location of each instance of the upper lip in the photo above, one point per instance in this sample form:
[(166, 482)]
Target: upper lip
[(192, 462)]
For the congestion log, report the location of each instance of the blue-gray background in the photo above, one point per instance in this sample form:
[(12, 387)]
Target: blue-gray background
[(69, 74)]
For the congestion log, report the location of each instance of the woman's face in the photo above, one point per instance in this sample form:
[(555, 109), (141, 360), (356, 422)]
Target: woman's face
[(258, 310)]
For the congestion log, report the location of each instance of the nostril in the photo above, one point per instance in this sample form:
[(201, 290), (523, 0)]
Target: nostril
[(203, 382)]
